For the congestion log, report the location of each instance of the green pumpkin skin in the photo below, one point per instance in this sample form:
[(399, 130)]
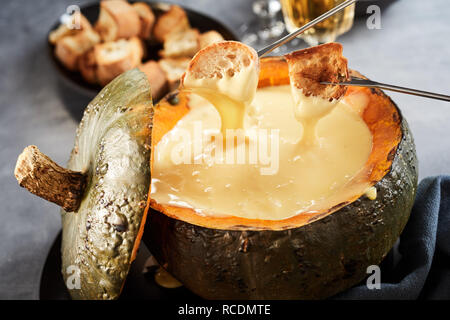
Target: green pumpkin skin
[(314, 261), (111, 148)]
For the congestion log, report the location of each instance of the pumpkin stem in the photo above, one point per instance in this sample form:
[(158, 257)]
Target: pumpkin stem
[(43, 177)]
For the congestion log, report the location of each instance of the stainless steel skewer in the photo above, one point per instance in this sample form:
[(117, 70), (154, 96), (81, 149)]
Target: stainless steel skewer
[(302, 29), (358, 82)]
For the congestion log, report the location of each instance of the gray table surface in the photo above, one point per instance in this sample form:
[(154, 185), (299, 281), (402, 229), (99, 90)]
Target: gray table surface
[(411, 49)]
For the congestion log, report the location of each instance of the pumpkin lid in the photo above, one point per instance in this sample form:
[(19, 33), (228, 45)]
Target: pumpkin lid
[(103, 192)]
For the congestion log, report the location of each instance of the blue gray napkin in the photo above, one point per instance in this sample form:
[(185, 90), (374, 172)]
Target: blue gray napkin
[(419, 265)]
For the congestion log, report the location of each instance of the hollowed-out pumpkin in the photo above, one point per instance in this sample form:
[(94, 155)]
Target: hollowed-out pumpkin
[(309, 256)]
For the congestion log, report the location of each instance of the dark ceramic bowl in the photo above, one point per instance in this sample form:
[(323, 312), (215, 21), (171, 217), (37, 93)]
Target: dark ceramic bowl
[(197, 20)]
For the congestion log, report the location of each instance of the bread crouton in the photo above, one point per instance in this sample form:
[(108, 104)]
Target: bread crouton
[(117, 20), (156, 77), (172, 21), (309, 67), (88, 67), (70, 48), (146, 17), (209, 37), (67, 29), (116, 57), (174, 69), (229, 62), (181, 44)]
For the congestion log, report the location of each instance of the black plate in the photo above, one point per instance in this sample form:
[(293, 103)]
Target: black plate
[(197, 20), (140, 282)]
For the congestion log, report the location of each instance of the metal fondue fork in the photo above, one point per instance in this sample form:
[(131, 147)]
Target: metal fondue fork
[(358, 82)]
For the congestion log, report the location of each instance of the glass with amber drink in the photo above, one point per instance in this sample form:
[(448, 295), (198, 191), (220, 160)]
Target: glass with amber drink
[(299, 12)]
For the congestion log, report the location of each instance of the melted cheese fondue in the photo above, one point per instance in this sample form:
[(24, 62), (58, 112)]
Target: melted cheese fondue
[(302, 178), (230, 94), (308, 111)]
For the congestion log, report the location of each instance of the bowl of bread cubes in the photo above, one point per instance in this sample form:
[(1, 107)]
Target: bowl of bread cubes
[(94, 45)]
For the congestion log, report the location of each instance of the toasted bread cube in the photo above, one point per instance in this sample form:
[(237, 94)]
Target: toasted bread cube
[(181, 44), (222, 61), (137, 48), (209, 37), (146, 17), (156, 78), (173, 21), (88, 67), (70, 48), (174, 69), (116, 57), (66, 29), (309, 67), (117, 20)]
